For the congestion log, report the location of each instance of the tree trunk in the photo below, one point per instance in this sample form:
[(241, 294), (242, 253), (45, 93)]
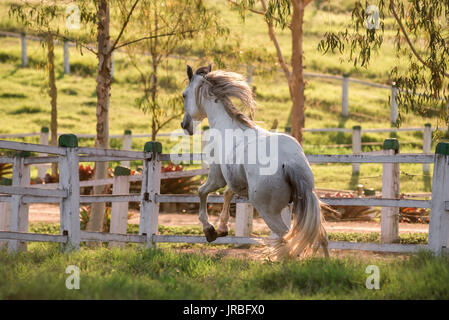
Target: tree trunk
[(296, 82), (52, 92), (96, 220)]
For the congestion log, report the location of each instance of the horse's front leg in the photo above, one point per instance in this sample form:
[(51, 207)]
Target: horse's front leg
[(222, 228), (214, 181)]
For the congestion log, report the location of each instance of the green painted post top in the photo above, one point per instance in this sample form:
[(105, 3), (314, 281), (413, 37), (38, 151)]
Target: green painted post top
[(369, 192), (44, 130), (206, 128), (5, 181), (68, 141), (346, 75), (122, 171), (23, 154), (427, 125), (391, 144), (153, 146), (288, 129), (442, 148), (128, 132), (357, 128)]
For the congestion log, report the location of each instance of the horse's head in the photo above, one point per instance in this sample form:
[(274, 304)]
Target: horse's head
[(193, 112)]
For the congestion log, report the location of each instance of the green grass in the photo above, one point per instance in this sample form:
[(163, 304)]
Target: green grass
[(135, 273), (26, 105), (170, 272)]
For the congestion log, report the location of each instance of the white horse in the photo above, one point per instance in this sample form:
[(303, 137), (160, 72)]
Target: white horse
[(287, 178)]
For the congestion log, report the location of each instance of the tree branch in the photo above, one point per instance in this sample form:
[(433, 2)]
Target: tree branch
[(155, 36), (124, 26), (250, 9), (410, 44), (276, 45)]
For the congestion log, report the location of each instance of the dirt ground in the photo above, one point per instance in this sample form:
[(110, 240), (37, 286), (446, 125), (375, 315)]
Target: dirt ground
[(50, 213)]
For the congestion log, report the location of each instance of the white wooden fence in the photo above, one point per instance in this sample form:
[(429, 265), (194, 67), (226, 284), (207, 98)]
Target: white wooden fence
[(67, 194)]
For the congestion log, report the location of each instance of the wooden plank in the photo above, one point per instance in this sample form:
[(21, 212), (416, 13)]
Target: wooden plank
[(110, 198), (119, 210), (104, 158), (244, 219), (182, 174), (376, 202), (134, 155), (39, 160), (202, 239), (33, 237), (149, 206), (390, 247), (33, 191), (439, 217), (4, 160), (37, 199), (19, 209), (182, 157), (106, 237), (70, 205), (185, 198), (349, 158), (21, 146), (389, 231), (5, 198), (5, 216)]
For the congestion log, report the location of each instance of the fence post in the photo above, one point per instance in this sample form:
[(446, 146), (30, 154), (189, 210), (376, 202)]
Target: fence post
[(151, 187), (286, 215), (356, 146), (393, 104), (66, 57), (243, 219), (69, 180), (119, 210), (249, 73), (344, 96), (24, 50), (43, 139), (439, 215), (127, 145), (426, 145), (389, 230), (5, 213), (204, 141), (19, 210)]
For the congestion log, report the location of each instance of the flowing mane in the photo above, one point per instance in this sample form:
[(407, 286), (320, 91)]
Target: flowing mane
[(222, 85)]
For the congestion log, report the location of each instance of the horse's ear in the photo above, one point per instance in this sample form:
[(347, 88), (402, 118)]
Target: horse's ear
[(209, 68), (189, 72)]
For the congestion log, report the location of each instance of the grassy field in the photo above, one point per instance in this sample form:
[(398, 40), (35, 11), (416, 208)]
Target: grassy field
[(200, 271), (168, 273), (25, 104)]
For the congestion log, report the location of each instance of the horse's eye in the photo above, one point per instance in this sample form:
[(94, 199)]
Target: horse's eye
[(184, 95)]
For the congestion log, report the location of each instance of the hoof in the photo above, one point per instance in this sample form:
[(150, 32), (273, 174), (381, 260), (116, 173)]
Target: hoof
[(222, 233), (210, 233)]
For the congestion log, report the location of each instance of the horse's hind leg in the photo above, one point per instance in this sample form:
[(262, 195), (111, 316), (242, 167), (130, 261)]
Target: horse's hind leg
[(222, 229), (214, 181)]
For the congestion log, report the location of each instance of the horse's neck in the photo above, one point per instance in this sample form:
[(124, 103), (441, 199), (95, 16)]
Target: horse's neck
[(219, 119)]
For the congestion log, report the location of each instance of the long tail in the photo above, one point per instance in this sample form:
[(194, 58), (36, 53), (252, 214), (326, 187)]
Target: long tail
[(307, 232)]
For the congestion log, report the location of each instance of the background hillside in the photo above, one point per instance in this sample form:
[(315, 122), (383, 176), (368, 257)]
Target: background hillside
[(25, 105)]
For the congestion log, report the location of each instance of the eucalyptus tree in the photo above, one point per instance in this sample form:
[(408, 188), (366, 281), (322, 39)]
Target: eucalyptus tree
[(285, 14), (421, 43), (43, 21)]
